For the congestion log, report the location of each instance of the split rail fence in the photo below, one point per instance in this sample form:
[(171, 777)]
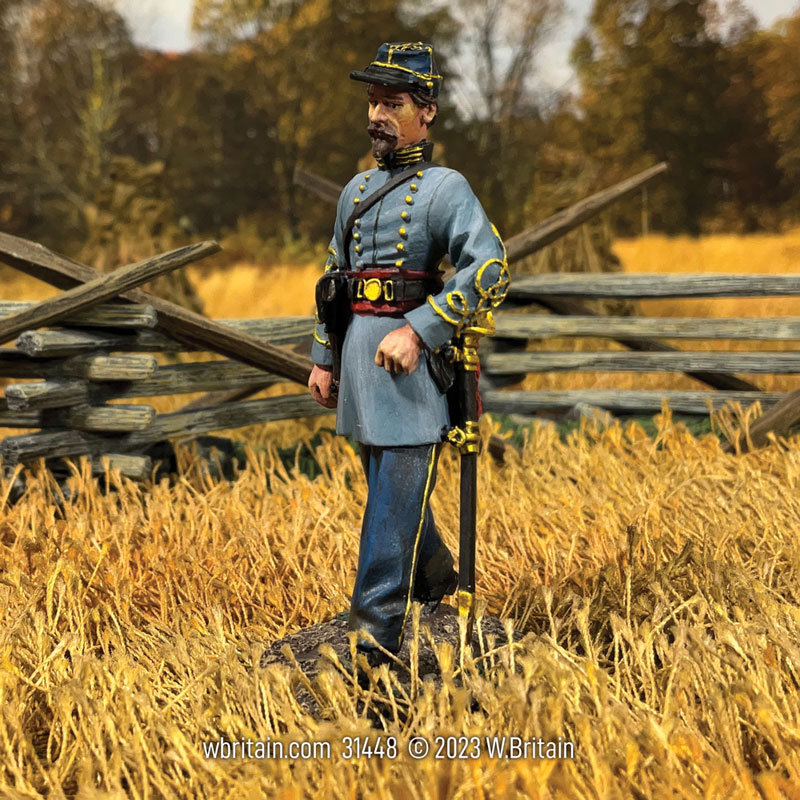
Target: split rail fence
[(95, 342)]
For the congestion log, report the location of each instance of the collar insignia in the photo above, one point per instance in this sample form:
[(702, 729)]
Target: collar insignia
[(421, 151)]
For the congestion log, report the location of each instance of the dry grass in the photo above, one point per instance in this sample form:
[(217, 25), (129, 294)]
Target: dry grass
[(658, 580)]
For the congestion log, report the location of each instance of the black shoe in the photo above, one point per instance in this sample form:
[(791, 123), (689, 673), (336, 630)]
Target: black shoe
[(374, 658), (434, 596)]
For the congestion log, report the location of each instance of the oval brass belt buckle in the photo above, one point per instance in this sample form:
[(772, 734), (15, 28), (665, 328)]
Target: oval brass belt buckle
[(372, 289)]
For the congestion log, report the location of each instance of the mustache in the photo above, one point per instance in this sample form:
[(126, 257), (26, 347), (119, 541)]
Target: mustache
[(378, 131)]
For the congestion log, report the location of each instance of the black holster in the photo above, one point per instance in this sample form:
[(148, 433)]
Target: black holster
[(442, 369), (446, 375), (334, 312)]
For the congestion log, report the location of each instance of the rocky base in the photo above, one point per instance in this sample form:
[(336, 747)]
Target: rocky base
[(440, 626)]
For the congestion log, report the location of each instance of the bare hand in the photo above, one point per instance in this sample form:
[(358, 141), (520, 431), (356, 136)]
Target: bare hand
[(399, 351), (320, 384)]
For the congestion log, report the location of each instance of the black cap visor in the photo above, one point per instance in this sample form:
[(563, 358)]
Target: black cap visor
[(389, 77)]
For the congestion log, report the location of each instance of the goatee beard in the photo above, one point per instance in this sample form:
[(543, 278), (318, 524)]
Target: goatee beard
[(383, 140), (382, 147)]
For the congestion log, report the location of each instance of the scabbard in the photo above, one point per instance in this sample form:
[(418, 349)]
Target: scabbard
[(468, 510), (465, 436)]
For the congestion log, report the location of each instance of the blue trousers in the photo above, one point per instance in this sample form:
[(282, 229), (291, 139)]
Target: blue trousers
[(401, 556)]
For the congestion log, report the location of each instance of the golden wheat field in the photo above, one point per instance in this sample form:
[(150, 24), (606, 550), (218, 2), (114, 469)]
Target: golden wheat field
[(657, 581)]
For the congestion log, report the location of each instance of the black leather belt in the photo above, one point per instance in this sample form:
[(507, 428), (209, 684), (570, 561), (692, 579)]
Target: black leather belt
[(389, 289)]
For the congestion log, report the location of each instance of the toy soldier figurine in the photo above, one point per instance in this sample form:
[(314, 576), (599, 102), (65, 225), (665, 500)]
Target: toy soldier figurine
[(386, 374)]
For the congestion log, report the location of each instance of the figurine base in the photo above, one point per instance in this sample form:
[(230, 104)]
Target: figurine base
[(443, 626)]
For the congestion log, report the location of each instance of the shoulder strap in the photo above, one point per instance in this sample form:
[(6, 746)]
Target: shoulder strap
[(376, 197)]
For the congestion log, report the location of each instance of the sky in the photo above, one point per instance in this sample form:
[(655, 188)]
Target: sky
[(164, 25)]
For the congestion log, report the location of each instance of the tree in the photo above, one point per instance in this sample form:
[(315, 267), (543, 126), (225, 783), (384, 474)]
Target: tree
[(15, 203), (71, 58), (754, 187), (778, 65), (191, 112), (651, 78), (220, 22), (495, 92)]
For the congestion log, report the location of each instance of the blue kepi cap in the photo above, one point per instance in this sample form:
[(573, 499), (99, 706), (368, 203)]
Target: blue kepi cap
[(406, 65)]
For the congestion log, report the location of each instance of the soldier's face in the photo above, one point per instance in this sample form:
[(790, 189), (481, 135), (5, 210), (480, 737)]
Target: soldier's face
[(395, 120)]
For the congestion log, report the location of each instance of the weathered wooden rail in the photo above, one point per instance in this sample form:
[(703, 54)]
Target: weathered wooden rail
[(782, 411), (633, 331), (173, 320), (72, 372)]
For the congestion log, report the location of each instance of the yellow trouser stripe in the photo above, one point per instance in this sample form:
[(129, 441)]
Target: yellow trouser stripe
[(425, 497)]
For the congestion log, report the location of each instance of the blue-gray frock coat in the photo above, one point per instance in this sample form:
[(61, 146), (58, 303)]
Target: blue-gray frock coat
[(413, 227)]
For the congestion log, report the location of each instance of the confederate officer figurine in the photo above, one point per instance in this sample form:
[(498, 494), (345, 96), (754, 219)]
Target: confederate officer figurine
[(393, 227)]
